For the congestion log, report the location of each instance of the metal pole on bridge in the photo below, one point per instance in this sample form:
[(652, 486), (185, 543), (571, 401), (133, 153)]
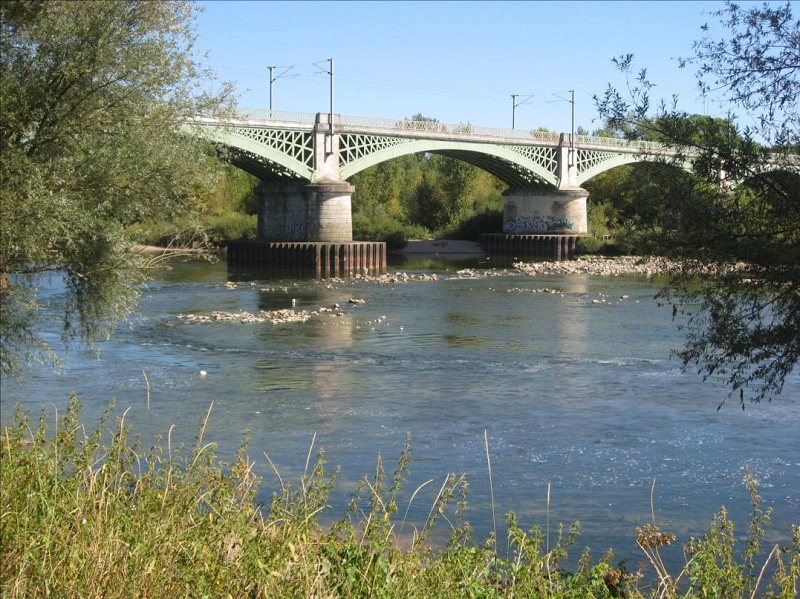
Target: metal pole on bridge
[(271, 80), (514, 105), (274, 79), (572, 137), (513, 108), (330, 60)]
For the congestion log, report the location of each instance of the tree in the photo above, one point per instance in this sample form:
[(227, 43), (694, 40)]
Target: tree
[(91, 96), (737, 236)]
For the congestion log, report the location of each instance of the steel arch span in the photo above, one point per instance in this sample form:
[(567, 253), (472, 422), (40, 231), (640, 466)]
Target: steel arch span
[(517, 166), (295, 147)]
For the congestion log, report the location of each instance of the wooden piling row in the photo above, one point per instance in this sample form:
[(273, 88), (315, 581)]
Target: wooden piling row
[(552, 247), (323, 259)]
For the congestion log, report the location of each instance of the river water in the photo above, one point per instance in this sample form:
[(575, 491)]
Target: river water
[(568, 377)]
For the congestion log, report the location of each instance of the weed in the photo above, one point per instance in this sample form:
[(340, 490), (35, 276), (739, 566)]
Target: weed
[(89, 514)]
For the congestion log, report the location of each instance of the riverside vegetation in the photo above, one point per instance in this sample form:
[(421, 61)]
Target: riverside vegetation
[(91, 514)]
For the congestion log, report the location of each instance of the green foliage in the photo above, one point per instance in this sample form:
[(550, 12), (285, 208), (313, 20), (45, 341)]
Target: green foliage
[(443, 197), (380, 227), (232, 226), (411, 196), (234, 191), (189, 232), (589, 245), (88, 513), (487, 221), (91, 96), (734, 225)]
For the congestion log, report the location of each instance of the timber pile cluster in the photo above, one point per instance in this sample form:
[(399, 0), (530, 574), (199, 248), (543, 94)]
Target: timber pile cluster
[(627, 265)]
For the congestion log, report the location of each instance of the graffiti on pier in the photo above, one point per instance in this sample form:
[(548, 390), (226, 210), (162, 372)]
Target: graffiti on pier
[(291, 230), (536, 224)]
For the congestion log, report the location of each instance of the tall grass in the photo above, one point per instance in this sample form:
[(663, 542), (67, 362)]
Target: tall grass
[(89, 513)]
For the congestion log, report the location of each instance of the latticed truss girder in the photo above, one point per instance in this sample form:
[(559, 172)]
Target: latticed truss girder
[(517, 165), (353, 146), (261, 167), (299, 145), (271, 154), (288, 153), (507, 171), (588, 159), (592, 162), (542, 155)]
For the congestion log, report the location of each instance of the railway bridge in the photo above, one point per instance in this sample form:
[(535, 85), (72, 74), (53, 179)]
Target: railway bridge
[(304, 161)]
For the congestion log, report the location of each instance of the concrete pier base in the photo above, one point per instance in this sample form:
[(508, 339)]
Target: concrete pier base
[(545, 211), (550, 247), (303, 212)]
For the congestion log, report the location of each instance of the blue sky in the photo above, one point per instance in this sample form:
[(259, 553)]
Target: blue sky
[(458, 62)]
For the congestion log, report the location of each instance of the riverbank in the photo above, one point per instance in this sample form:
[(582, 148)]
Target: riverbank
[(458, 249), (92, 516), (572, 395), (176, 251)]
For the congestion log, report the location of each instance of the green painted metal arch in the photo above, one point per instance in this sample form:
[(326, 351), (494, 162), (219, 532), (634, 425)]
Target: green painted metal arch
[(443, 146), (228, 137), (620, 160), (789, 169)]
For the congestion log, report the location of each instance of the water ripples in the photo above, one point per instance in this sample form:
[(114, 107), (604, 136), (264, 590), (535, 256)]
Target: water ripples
[(577, 395)]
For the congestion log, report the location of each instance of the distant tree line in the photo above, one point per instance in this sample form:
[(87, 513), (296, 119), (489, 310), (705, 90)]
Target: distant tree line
[(425, 196)]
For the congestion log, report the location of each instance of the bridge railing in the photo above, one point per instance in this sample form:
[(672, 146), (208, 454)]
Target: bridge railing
[(461, 129), (464, 129), (616, 142), (277, 115)]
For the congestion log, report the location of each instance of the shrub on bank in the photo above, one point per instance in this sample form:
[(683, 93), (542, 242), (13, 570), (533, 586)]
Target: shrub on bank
[(487, 221), (188, 232), (381, 227), (594, 246), (86, 517), (232, 226)]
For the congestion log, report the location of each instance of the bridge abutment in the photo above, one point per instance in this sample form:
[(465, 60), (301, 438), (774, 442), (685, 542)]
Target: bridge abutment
[(539, 210), (302, 212)]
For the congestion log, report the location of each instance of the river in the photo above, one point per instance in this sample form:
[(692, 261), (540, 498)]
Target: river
[(568, 377)]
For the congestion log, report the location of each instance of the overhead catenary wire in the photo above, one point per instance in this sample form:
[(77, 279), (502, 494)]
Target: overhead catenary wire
[(305, 73), (308, 74)]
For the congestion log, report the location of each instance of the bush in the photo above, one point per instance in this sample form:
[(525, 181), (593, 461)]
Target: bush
[(184, 232), (189, 232), (488, 221), (417, 232), (232, 226), (589, 245), (385, 228)]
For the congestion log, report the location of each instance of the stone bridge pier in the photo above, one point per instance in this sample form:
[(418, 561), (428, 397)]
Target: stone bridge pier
[(305, 212), (538, 210), (319, 211)]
